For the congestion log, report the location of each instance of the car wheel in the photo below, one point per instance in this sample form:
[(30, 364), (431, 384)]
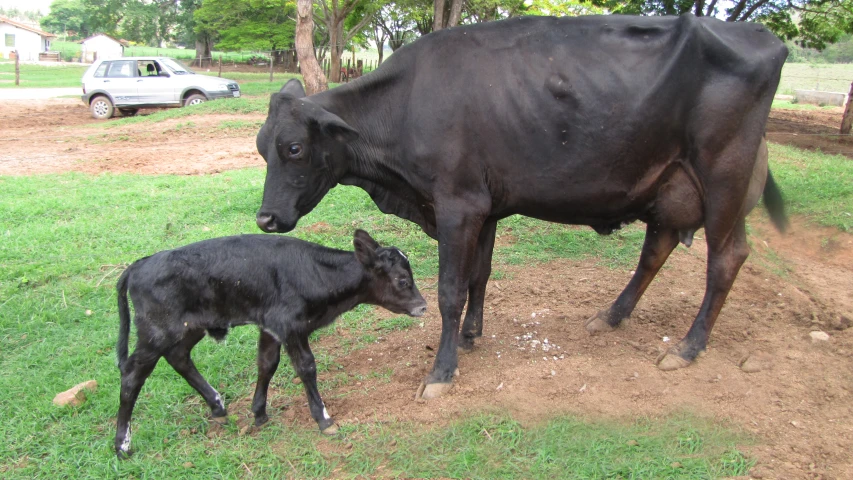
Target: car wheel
[(128, 112), (102, 108), (195, 99)]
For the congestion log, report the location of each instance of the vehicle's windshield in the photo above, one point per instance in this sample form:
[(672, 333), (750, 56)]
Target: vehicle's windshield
[(176, 67)]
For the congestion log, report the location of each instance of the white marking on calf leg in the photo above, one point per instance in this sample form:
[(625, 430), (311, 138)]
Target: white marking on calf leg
[(218, 400), (125, 444), (325, 413)]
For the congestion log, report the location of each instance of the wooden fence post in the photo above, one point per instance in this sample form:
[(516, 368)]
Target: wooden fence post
[(272, 60), (17, 68), (220, 65), (847, 119)]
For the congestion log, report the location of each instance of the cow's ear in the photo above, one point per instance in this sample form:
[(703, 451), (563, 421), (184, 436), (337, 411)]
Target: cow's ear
[(365, 248), (335, 127), (293, 88)]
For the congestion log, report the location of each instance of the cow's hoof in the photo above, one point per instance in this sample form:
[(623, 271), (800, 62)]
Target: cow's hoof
[(330, 430), (465, 347), (598, 323), (260, 421), (432, 390), (220, 420), (670, 361)]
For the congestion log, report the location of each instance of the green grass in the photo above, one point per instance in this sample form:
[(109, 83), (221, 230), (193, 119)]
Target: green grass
[(815, 185), (58, 75), (65, 238), (788, 105)]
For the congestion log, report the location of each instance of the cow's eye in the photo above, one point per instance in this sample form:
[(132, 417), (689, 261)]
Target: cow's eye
[(403, 283), (294, 149)]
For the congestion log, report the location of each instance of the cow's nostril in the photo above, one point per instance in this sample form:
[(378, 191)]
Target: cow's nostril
[(419, 311), (265, 222)]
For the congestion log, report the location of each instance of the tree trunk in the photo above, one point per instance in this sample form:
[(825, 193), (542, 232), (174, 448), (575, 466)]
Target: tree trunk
[(438, 15), (847, 119), (335, 51), (315, 81), (202, 49), (455, 13)]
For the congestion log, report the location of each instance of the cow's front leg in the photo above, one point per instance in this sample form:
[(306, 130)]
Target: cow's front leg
[(659, 243), (457, 237), (472, 327), (302, 360)]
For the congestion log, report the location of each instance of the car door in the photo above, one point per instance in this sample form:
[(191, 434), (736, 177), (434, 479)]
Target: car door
[(119, 81), (155, 86)]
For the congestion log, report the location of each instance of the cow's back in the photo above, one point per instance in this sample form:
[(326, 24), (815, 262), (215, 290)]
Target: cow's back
[(576, 107)]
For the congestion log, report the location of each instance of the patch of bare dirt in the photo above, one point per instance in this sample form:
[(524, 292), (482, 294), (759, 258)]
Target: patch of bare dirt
[(58, 135), (763, 372), (810, 130)]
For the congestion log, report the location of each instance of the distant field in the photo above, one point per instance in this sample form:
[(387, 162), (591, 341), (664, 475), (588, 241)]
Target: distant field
[(835, 77)]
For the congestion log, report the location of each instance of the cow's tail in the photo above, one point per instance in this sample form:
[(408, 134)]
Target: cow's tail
[(774, 203), (124, 318)]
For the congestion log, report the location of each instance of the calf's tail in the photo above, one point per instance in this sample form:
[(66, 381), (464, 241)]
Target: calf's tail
[(124, 318), (774, 203)]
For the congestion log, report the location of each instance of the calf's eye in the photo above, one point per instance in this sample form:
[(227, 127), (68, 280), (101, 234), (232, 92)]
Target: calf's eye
[(294, 149), (403, 284)]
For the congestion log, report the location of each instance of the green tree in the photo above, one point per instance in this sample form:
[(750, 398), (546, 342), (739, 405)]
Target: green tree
[(67, 16), (266, 25), (811, 23)]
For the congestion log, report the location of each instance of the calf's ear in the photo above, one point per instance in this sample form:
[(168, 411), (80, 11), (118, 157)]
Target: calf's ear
[(293, 88), (365, 248)]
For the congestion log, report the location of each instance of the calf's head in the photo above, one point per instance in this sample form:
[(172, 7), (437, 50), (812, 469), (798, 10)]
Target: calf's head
[(304, 146), (391, 284)]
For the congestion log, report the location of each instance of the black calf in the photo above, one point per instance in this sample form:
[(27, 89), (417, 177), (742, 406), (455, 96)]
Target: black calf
[(286, 286)]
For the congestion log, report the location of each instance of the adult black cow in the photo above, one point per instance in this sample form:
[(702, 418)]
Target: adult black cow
[(595, 121)]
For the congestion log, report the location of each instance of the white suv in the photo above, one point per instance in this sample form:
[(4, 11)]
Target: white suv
[(130, 83)]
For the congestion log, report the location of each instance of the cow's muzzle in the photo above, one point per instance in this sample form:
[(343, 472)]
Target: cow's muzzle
[(418, 311), (270, 223)]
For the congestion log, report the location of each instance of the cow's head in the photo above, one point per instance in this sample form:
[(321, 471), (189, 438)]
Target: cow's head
[(391, 284), (304, 146)]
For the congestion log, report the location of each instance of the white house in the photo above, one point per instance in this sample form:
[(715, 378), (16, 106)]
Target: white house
[(101, 46), (26, 40)]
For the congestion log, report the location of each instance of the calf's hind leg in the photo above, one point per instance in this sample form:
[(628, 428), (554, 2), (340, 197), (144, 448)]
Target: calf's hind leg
[(179, 358), (269, 355), (659, 243), (134, 372)]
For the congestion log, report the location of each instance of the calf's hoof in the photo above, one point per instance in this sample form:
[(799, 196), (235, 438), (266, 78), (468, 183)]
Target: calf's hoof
[(598, 323), (220, 420), (122, 454), (671, 361), (259, 421), (330, 430)]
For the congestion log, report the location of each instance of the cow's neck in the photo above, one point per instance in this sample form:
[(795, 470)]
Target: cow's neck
[(371, 106)]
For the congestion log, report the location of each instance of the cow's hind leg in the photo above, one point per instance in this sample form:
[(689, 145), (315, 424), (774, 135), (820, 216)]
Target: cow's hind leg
[(134, 372), (657, 246), (179, 358), (726, 254), (472, 327), (269, 355)]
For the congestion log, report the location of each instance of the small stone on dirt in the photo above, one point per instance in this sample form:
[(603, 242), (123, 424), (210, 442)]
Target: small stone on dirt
[(818, 337), (675, 465), (76, 395), (188, 465), (841, 322), (632, 443), (296, 380)]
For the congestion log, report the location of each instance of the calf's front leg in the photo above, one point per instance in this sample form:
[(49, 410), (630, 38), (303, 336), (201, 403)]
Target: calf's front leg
[(269, 355), (303, 362)]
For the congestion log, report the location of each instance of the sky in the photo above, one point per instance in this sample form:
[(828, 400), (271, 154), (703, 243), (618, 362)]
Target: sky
[(41, 5)]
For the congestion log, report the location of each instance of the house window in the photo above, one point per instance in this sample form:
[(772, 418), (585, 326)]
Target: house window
[(10, 39)]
